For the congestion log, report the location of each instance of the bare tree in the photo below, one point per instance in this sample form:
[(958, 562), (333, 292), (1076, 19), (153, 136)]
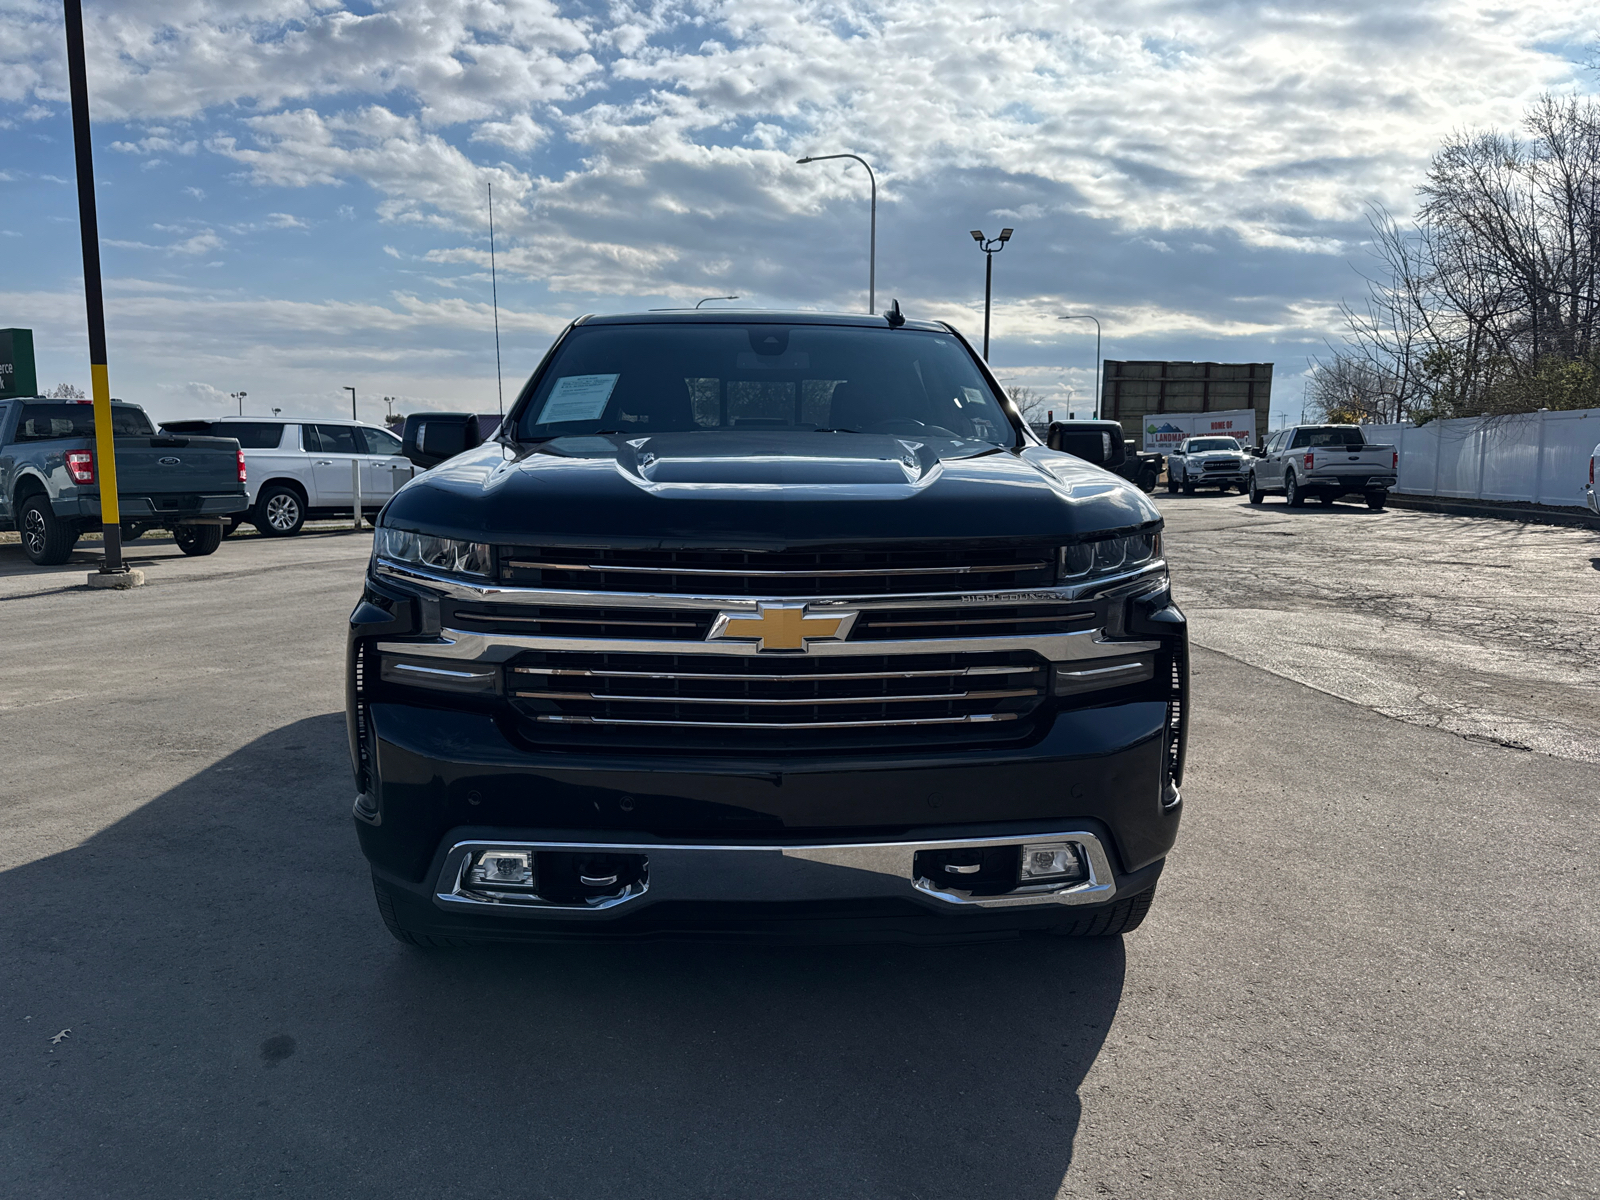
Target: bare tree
[(65, 391), (1490, 303), (1030, 402)]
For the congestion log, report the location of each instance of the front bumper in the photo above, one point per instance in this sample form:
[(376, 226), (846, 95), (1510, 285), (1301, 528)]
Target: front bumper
[(870, 889)]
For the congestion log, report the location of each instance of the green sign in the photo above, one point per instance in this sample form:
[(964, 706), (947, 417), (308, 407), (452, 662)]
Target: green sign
[(17, 376)]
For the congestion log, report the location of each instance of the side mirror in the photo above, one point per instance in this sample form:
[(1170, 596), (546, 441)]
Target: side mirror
[(1257, 451), (1098, 442)]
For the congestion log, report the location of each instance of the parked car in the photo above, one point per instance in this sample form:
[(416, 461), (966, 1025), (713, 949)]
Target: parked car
[(302, 469), (1588, 492), (433, 437), (772, 622), (49, 478), (1207, 462), (1325, 461)]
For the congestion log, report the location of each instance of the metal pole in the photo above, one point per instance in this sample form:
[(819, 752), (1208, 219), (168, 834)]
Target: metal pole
[(94, 302), (872, 237), (494, 292), (1097, 371), (355, 466), (988, 283)]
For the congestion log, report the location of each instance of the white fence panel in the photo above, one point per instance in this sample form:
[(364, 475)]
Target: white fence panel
[(1569, 439), (1540, 457)]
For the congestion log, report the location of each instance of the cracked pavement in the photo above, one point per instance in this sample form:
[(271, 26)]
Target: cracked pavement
[(1488, 629)]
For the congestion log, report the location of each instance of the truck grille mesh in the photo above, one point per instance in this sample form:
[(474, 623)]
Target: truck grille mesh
[(779, 573), (631, 699)]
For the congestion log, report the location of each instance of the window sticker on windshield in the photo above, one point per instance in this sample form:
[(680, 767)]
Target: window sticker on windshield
[(577, 398), (973, 395)]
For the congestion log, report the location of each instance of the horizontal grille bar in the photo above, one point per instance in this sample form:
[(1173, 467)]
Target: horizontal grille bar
[(769, 573), (955, 671), (762, 702), (967, 719)]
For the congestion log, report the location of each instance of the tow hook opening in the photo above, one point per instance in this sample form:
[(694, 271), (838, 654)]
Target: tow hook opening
[(973, 871)]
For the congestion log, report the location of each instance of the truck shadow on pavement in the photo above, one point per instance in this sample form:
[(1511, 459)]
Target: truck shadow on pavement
[(240, 1022)]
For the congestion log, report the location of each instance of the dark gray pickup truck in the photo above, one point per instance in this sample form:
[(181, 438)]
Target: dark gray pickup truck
[(49, 479)]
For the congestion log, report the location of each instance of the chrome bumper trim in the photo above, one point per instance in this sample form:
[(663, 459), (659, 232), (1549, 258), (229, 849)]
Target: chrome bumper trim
[(746, 874), (464, 646)]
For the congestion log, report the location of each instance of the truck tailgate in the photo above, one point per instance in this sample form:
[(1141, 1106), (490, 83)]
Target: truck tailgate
[(177, 465), (1349, 460)]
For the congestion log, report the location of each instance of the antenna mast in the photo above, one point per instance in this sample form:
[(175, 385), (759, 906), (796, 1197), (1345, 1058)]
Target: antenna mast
[(494, 292)]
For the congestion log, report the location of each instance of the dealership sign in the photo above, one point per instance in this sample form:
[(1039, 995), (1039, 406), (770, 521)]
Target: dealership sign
[(1164, 431), (17, 376)]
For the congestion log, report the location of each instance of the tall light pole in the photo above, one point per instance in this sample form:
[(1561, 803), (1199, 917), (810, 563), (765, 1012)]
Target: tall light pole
[(352, 392), (698, 303), (113, 571), (990, 247), (239, 398), (1096, 320), (872, 242)]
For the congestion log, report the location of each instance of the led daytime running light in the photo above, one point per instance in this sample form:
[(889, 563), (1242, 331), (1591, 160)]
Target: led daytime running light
[(436, 553), (1086, 560)]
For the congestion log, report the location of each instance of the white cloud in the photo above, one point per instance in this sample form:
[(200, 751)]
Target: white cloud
[(285, 221)]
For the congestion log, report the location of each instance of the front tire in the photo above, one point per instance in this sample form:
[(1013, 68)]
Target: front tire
[(1147, 480), (1254, 490), (1292, 494), (198, 540), (47, 540), (1115, 919), (279, 512), (1172, 485)]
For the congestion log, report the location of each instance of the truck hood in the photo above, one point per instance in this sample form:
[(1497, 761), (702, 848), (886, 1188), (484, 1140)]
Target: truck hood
[(759, 490), (1214, 454)]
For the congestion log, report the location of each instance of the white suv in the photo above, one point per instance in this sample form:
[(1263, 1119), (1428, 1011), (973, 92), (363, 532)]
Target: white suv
[(300, 469)]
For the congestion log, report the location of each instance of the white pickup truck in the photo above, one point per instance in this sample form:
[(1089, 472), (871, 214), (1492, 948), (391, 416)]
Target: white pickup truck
[(1325, 461), (1199, 462)]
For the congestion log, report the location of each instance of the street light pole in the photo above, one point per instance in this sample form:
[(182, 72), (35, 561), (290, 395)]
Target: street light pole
[(872, 243), (1096, 320), (990, 247), (94, 302), (239, 396)]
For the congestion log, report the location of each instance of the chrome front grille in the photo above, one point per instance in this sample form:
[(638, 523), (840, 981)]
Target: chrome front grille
[(583, 621), (893, 624), (779, 573), (697, 696), (1221, 464)]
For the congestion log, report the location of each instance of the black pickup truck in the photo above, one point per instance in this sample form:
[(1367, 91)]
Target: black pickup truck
[(766, 623), (50, 481)]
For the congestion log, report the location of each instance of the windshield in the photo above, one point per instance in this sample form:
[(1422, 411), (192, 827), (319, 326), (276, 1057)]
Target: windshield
[(647, 379), (1213, 444), (40, 422)]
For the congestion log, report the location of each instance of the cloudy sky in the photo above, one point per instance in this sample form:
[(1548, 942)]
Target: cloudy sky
[(293, 193)]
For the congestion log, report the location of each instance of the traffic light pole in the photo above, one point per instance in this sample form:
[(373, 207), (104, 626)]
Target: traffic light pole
[(89, 227)]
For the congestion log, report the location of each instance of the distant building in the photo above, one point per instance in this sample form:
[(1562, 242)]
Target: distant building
[(1133, 392)]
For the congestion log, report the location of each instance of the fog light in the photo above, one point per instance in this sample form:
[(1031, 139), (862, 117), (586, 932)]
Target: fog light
[(503, 868), (1054, 862)]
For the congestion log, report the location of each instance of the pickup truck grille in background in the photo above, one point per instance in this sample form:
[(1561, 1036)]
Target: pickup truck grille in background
[(1220, 464), (696, 700), (779, 573)]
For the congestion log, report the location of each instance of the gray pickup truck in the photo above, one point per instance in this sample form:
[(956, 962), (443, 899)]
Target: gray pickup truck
[(49, 479)]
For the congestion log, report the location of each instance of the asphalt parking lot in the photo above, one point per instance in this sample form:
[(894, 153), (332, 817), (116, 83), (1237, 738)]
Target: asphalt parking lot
[(1370, 969)]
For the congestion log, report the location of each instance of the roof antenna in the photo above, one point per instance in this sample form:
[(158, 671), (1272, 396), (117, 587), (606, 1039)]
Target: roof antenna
[(894, 316), (494, 292)]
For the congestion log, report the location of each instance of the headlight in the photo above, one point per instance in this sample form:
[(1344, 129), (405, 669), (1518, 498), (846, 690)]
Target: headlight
[(437, 553), (1109, 556)]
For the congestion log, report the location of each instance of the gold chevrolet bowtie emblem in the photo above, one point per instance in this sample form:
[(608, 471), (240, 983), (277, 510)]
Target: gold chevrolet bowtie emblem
[(782, 627)]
